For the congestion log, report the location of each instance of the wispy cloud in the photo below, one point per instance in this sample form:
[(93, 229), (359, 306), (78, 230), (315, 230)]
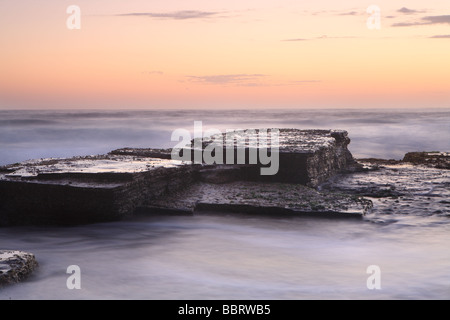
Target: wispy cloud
[(305, 81), (155, 72), (176, 15), (437, 19), (317, 38), (242, 79), (428, 20), (296, 39), (407, 24), (405, 10), (443, 36), (247, 80), (350, 13)]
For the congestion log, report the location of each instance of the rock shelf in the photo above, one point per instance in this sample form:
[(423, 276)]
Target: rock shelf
[(261, 198), (110, 187)]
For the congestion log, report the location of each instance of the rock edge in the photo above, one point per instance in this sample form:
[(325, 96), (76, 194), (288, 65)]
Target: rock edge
[(15, 266)]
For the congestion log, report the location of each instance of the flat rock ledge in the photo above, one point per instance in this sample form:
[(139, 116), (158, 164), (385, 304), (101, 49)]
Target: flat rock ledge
[(261, 198), (90, 189), (15, 266)]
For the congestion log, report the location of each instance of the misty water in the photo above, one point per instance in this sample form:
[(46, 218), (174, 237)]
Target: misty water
[(375, 133), (223, 256)]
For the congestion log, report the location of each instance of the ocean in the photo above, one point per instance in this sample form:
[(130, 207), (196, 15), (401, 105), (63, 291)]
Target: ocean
[(374, 133), (232, 256)]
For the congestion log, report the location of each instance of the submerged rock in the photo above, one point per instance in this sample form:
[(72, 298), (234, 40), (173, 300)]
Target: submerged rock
[(15, 266)]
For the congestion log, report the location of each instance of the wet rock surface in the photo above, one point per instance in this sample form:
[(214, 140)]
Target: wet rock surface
[(440, 160), (143, 152), (15, 266), (397, 187), (262, 198), (110, 187), (307, 157), (87, 166), (85, 189)]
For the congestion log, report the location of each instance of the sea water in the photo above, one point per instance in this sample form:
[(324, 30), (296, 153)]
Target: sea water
[(223, 256), (374, 133)]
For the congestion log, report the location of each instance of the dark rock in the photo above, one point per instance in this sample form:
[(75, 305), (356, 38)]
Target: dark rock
[(220, 174), (307, 157), (143, 152), (109, 187), (76, 191), (397, 188), (15, 266), (435, 159), (379, 162), (263, 198)]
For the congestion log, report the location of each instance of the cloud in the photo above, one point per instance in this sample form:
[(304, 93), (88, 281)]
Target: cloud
[(444, 36), (408, 11), (407, 24), (350, 13), (317, 38), (149, 73), (242, 79), (176, 15), (306, 81), (297, 39), (405, 11), (437, 19), (429, 20), (247, 80), (328, 37)]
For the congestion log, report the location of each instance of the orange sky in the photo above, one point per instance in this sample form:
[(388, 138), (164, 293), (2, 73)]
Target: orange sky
[(224, 54)]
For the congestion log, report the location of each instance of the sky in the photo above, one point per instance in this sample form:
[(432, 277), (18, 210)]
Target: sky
[(224, 54)]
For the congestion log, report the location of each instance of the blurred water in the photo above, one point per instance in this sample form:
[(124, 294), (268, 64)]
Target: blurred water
[(224, 256), (375, 133), (230, 257)]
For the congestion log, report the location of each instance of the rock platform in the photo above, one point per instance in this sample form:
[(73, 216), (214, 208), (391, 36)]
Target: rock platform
[(110, 187)]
